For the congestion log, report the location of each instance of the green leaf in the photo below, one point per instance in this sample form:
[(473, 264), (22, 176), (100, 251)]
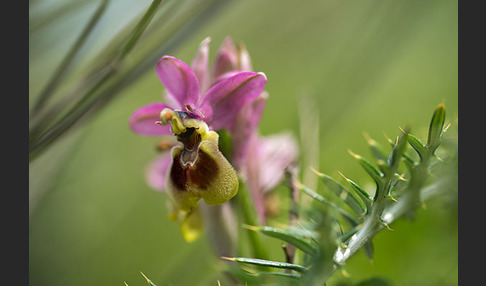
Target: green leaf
[(365, 197), (288, 236), (371, 169), (346, 235), (369, 249), (337, 188), (321, 199), (420, 148), (397, 151), (409, 161), (281, 274), (376, 149), (268, 263), (436, 128), (241, 274)]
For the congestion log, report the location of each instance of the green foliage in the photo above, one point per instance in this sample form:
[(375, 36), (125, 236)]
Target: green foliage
[(266, 263), (326, 243), (383, 63), (299, 238)]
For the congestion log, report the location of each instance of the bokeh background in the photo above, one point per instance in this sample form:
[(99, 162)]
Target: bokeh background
[(367, 66)]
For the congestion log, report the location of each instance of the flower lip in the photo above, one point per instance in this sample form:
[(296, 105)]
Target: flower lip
[(191, 140), (190, 137)]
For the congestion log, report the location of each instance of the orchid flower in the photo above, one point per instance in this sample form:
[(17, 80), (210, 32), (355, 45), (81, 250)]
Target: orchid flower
[(195, 168), (267, 158), (260, 160)]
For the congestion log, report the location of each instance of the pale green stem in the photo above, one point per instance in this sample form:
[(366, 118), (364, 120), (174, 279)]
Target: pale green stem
[(381, 215), (250, 218)]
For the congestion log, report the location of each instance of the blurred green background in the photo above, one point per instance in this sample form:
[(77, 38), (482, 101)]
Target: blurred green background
[(370, 66)]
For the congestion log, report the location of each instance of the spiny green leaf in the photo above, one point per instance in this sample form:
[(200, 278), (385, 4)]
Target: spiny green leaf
[(397, 151), (321, 199), (436, 128), (304, 232), (385, 224), (365, 197), (337, 188), (409, 161), (287, 236), (269, 263), (394, 182), (382, 166), (376, 149), (371, 169), (347, 234), (282, 274), (417, 145), (242, 274), (369, 249)]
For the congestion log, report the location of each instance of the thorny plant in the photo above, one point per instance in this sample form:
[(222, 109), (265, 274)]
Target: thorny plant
[(211, 149), (219, 157)]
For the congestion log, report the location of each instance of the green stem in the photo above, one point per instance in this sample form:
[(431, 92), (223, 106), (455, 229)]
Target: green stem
[(389, 215), (250, 218), (291, 173)]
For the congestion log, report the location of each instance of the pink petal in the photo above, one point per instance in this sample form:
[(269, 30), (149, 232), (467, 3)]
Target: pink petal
[(223, 101), (157, 170), (278, 151), (179, 80), (224, 76), (226, 58), (200, 64), (266, 161), (245, 124), (243, 58), (142, 121), (251, 174)]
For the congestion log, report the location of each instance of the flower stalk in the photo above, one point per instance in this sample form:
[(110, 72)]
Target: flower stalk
[(292, 181), (249, 217)]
